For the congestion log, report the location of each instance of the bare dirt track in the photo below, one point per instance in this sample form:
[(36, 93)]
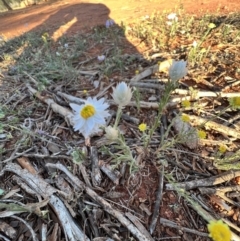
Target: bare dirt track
[(72, 16)]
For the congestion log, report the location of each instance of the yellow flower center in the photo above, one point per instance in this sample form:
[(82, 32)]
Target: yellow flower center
[(87, 111)]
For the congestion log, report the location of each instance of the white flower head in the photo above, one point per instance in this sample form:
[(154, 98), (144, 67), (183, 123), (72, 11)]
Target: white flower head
[(111, 133), (90, 116), (122, 94), (101, 58), (194, 44), (177, 70), (109, 23), (173, 17)]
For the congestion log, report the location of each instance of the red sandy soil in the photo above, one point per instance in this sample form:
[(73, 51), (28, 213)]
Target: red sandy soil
[(74, 15)]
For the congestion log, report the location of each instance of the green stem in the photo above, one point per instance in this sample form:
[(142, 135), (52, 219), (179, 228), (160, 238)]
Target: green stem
[(118, 116)]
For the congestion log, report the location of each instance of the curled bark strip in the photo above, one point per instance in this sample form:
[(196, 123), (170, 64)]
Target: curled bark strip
[(211, 181), (158, 201), (34, 236), (106, 206)]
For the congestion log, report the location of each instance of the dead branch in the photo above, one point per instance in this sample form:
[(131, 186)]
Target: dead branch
[(215, 180), (64, 112), (106, 206), (172, 224), (208, 124), (139, 225)]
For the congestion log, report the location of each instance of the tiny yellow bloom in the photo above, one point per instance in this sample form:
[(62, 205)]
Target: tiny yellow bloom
[(186, 103), (211, 25), (137, 71), (85, 91), (142, 127), (185, 118), (202, 134), (219, 231), (222, 149), (234, 102)]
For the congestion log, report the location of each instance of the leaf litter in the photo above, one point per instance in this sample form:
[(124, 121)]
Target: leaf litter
[(56, 188)]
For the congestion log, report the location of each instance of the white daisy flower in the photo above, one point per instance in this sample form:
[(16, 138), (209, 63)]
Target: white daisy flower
[(177, 70), (101, 58), (194, 44), (172, 16), (89, 116), (122, 94)]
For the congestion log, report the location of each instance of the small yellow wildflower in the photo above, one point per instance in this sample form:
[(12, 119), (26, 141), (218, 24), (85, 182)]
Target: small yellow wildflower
[(137, 71), (142, 127), (186, 103), (202, 134), (211, 25), (222, 149), (234, 102), (85, 91), (45, 37), (219, 231), (185, 118)]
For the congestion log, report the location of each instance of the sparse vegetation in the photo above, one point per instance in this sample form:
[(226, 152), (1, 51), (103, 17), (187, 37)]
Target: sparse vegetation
[(164, 122)]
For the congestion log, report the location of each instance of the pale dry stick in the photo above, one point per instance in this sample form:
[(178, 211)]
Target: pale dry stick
[(109, 172), (187, 94), (147, 72), (139, 225), (85, 175), (220, 189), (227, 88), (215, 180), (106, 206), (25, 187), (104, 91), (172, 224), (41, 156), (146, 105), (64, 112), (34, 236), (18, 155), (162, 67), (147, 85), (208, 124), (155, 215), (4, 238), (44, 232), (95, 172), (147, 90), (71, 98)]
